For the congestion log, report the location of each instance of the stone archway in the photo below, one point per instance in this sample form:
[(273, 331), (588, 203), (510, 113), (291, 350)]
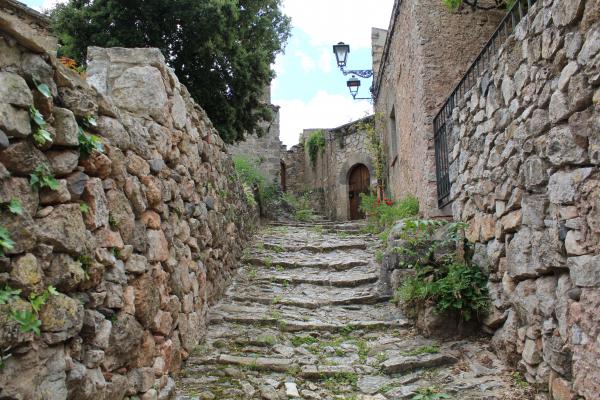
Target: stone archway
[(358, 183)]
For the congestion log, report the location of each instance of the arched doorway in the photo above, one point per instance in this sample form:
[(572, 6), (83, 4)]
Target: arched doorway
[(358, 182), (282, 173)]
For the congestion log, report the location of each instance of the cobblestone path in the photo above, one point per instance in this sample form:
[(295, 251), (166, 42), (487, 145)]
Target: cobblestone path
[(303, 320)]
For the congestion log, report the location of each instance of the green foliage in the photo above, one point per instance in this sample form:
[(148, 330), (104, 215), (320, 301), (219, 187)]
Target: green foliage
[(89, 143), (303, 210), (444, 280), (6, 243), (42, 178), (42, 88), (222, 50), (368, 125), (429, 393), (455, 5), (382, 215), (40, 135), (7, 294), (300, 340), (84, 208), (29, 321), (14, 206), (253, 180), (315, 145), (429, 349)]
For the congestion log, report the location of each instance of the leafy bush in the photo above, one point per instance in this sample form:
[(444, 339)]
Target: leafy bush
[(382, 215), (301, 206), (254, 181), (315, 145), (441, 278)]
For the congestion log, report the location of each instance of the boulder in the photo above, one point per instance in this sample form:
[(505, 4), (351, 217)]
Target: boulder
[(124, 342), (14, 90), (66, 128), (14, 121), (64, 229)]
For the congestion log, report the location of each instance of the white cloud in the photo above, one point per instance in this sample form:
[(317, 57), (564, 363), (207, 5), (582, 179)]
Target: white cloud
[(324, 110), (49, 4), (306, 62), (330, 21), (326, 61)]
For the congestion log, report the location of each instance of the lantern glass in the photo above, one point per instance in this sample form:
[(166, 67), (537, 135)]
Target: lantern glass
[(353, 85), (341, 51)]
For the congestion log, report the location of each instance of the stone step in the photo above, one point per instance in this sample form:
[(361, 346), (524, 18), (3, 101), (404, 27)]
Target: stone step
[(325, 371), (336, 265), (288, 325), (403, 364), (344, 282), (309, 303), (318, 248), (257, 363)]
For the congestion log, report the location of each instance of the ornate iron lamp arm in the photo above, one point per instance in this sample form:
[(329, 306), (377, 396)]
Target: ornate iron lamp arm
[(363, 73)]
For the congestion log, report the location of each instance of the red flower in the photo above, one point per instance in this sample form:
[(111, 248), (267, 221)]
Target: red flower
[(389, 202)]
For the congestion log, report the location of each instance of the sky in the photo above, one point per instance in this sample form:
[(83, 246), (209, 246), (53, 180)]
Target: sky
[(309, 88)]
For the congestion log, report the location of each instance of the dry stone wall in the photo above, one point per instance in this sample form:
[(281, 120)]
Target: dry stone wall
[(139, 240), (525, 176)]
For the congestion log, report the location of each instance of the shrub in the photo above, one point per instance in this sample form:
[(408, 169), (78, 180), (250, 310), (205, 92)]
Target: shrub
[(301, 206), (442, 279), (315, 145), (253, 180), (382, 215)]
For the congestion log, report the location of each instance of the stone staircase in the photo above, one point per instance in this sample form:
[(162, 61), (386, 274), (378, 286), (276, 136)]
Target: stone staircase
[(304, 319)]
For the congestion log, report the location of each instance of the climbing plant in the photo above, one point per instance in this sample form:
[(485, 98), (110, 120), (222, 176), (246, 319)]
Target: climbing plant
[(315, 145), (368, 125), (456, 5)]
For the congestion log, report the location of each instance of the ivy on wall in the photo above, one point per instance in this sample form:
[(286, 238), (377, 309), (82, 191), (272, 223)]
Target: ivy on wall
[(374, 146), (315, 145)]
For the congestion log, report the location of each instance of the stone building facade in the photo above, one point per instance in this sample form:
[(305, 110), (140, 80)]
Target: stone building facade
[(524, 152), (327, 181), (267, 150), (426, 52), (138, 239)]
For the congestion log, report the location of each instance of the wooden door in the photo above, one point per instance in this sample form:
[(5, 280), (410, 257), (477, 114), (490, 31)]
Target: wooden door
[(283, 177), (358, 182)]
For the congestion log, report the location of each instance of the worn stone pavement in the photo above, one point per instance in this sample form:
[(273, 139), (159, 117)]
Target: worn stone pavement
[(303, 319)]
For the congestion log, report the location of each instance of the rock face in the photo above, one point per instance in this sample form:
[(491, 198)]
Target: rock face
[(125, 237), (539, 160)]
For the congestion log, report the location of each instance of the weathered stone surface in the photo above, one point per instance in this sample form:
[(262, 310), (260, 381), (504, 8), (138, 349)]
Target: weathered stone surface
[(63, 162), (157, 246), (585, 270), (97, 212), (125, 337), (14, 122), (141, 90), (409, 363), (66, 128), (22, 158), (561, 147), (55, 196), (14, 90), (147, 300), (64, 229), (65, 273), (62, 318), (563, 186), (26, 274)]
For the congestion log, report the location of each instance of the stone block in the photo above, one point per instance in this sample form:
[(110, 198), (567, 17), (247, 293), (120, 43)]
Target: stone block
[(585, 270)]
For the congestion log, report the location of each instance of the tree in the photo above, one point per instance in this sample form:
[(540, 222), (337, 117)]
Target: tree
[(221, 50)]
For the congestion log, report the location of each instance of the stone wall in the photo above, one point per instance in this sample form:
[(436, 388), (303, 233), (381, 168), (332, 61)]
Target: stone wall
[(139, 239), (525, 176), (426, 53), (267, 150), (327, 180)]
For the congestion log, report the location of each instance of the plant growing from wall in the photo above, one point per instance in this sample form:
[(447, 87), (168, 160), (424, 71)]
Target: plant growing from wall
[(40, 135), (368, 125), (441, 277), (6, 243), (28, 320), (315, 145), (382, 215), (456, 5), (14, 206), (41, 177), (88, 143)]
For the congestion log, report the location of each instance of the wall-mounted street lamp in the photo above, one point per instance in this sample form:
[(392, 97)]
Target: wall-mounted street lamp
[(341, 51)]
